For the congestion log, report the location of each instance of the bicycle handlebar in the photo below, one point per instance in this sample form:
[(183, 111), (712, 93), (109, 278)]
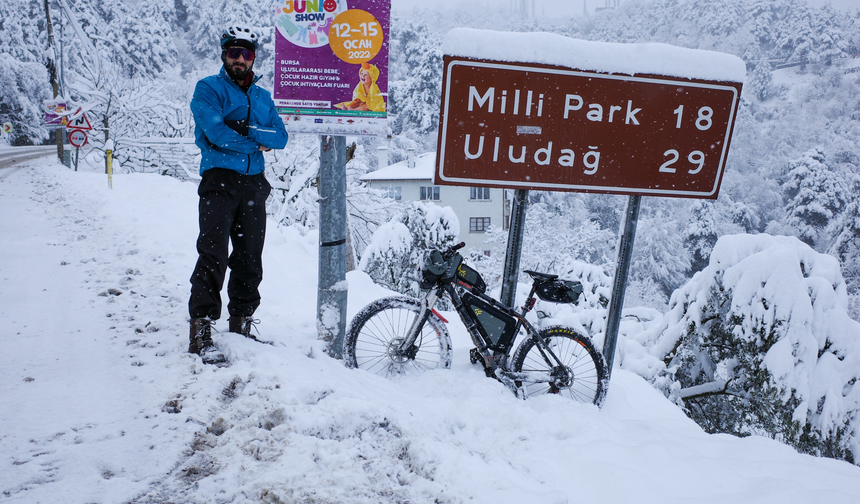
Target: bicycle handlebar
[(452, 249)]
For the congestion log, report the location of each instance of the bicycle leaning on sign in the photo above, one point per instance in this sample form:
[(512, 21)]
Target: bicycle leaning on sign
[(399, 335)]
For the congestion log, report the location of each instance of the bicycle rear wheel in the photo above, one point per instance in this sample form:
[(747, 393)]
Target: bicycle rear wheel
[(378, 330), (580, 373)]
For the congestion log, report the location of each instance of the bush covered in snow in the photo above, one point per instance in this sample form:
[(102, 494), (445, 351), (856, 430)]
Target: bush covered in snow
[(760, 342), (397, 250)]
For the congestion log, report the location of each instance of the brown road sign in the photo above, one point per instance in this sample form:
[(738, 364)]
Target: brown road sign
[(525, 126)]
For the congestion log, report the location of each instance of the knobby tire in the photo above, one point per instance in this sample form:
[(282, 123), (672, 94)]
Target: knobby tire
[(381, 325), (576, 352)]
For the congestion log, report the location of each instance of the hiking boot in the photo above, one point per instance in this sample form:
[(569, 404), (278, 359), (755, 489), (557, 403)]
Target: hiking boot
[(200, 342), (242, 325)]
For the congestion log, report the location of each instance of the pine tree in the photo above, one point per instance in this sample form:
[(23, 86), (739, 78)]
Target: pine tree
[(830, 43), (658, 250), (846, 245), (759, 74), (416, 86), (814, 196), (719, 19), (701, 235)]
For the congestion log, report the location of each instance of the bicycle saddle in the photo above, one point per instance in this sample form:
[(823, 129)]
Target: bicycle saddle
[(540, 276)]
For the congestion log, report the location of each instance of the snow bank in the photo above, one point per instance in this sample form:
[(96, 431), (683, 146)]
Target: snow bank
[(102, 403), (630, 59)]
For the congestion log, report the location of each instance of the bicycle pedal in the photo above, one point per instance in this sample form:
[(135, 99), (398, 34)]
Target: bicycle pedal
[(474, 356)]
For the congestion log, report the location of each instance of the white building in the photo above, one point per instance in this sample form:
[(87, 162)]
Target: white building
[(477, 208)]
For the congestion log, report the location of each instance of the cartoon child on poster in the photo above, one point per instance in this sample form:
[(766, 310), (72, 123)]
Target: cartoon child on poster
[(366, 95)]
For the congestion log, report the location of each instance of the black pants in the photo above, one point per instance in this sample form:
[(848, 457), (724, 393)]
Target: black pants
[(232, 209)]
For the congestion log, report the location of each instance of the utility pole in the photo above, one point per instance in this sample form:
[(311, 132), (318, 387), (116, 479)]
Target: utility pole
[(52, 68), (332, 288)]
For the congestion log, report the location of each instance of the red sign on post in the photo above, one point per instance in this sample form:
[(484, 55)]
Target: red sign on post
[(78, 138), (543, 127)]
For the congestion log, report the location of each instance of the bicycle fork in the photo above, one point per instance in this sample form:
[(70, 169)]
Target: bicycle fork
[(407, 346)]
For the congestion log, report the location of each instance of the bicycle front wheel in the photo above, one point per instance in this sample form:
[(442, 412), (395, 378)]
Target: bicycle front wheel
[(374, 337), (579, 373)]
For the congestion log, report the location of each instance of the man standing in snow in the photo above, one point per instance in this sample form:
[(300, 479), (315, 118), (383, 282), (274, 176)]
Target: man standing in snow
[(236, 121)]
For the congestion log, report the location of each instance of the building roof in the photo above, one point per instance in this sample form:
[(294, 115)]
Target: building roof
[(425, 164)]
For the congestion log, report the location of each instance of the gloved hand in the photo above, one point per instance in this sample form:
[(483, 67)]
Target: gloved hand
[(240, 126)]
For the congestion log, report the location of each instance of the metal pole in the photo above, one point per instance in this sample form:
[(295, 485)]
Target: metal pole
[(515, 244), (619, 283), (77, 155), (331, 290)]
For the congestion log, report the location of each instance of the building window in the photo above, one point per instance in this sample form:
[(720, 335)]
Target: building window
[(392, 192), (480, 193), (478, 224), (487, 253), (430, 193)]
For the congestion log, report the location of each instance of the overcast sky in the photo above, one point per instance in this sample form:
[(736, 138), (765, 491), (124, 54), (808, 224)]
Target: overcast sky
[(574, 7)]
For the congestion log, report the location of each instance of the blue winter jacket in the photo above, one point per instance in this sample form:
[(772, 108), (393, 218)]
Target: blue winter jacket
[(216, 99)]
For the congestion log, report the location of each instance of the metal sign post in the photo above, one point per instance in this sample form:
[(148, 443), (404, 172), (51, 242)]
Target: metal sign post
[(331, 291), (619, 282), (515, 245), (78, 138)]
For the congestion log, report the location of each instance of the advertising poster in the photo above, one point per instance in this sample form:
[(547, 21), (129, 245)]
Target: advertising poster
[(331, 66), (56, 113)]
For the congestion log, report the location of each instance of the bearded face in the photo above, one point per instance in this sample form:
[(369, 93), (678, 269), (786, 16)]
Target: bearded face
[(238, 68)]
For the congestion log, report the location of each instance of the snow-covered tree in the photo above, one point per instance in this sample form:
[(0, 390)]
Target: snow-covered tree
[(398, 248), (720, 19), (830, 42), (846, 245), (416, 86), (22, 90), (815, 194), (760, 342), (659, 254), (759, 75), (24, 81), (701, 234)]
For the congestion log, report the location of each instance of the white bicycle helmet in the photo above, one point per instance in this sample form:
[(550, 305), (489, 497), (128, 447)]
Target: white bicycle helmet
[(241, 36)]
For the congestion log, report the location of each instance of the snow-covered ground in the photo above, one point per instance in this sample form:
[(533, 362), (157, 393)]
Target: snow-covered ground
[(102, 404)]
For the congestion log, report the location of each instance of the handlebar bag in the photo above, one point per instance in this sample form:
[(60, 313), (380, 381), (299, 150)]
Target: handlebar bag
[(470, 279)]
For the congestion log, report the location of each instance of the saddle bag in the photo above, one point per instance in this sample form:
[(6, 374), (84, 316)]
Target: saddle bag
[(559, 291)]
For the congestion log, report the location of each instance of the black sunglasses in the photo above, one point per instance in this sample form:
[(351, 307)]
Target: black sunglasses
[(235, 52)]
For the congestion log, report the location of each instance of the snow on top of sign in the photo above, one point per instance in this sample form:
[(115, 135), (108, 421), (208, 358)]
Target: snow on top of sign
[(630, 59), (424, 167)]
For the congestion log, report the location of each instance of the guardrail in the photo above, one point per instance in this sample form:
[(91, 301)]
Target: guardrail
[(13, 155), (178, 157)]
